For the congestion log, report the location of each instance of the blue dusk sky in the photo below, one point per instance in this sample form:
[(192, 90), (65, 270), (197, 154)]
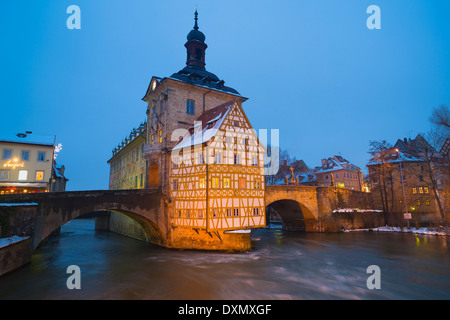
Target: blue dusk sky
[(311, 69)]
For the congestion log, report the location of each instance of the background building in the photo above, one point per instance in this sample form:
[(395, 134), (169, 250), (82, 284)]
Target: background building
[(27, 164), (410, 177), (127, 165), (339, 172)]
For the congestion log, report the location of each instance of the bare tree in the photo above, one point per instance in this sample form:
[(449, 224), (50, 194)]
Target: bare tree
[(381, 175), (434, 166), (440, 117)]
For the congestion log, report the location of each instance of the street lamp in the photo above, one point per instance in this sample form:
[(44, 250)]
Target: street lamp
[(403, 186)]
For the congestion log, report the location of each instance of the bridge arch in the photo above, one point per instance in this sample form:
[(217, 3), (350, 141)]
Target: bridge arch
[(57, 218), (297, 207), (294, 215)]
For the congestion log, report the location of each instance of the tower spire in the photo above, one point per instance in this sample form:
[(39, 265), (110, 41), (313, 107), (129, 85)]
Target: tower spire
[(196, 19)]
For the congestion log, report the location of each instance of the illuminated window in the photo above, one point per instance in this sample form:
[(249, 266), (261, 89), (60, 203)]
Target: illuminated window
[(41, 156), (153, 138), (25, 155), (215, 182), (201, 183), (7, 154), (414, 190), (427, 202), (23, 175), (257, 184), (39, 175), (160, 136), (420, 190), (226, 183), (425, 189), (418, 202), (4, 175), (190, 106), (242, 183)]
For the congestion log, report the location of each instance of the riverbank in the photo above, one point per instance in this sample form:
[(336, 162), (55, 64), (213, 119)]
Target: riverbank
[(434, 231)]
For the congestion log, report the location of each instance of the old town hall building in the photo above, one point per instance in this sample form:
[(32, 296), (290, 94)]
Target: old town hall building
[(198, 146)]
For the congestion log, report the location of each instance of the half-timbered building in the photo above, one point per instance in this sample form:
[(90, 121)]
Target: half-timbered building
[(217, 173)]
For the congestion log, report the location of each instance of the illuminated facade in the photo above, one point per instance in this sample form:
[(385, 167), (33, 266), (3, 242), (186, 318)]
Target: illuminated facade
[(127, 165), (341, 173), (26, 163), (217, 175), (218, 185)]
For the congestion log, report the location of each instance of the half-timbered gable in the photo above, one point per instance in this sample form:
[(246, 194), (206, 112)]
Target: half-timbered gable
[(217, 174)]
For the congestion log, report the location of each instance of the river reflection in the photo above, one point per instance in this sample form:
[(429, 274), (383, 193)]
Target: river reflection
[(282, 266)]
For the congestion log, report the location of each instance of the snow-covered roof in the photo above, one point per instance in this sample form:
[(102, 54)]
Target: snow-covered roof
[(333, 164), (393, 157), (306, 177), (205, 127), (28, 138)]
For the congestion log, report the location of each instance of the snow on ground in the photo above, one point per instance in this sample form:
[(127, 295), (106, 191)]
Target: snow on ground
[(355, 210), (429, 231), (9, 240)]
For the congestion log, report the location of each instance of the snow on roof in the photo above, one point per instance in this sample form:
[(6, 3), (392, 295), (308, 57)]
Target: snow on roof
[(205, 127), (335, 163), (394, 158), (28, 138)]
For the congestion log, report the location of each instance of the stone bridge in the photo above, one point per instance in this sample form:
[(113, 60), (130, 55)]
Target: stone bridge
[(301, 209), (310, 209), (54, 209)]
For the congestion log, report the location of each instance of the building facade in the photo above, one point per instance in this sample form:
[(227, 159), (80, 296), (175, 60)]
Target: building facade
[(127, 164), (217, 175), (402, 180), (27, 164), (341, 173), (215, 191)]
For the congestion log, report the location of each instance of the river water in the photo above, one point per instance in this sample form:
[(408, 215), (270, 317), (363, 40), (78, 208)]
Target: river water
[(282, 266)]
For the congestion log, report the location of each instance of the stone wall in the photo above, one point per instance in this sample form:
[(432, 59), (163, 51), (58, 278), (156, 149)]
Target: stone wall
[(330, 199), (17, 220), (186, 238), (15, 255), (125, 226)]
